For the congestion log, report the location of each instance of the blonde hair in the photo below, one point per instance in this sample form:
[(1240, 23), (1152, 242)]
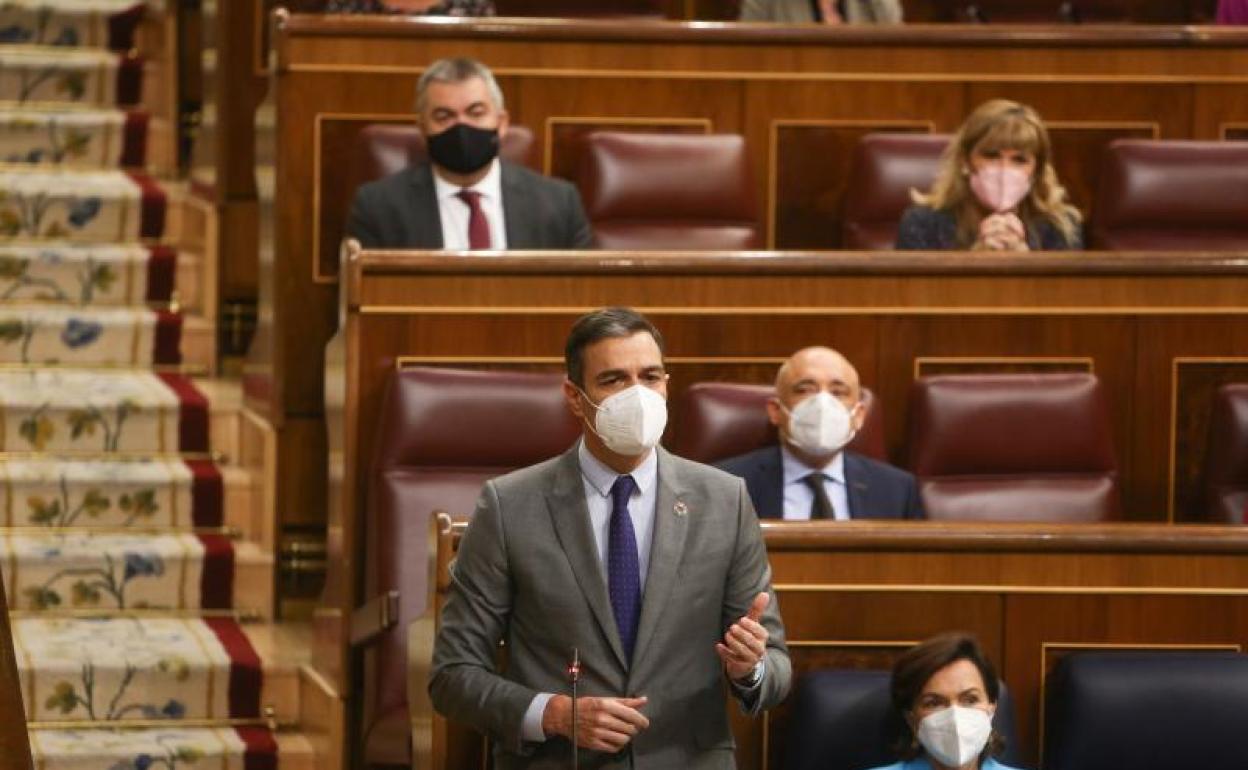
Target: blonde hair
[(1000, 124)]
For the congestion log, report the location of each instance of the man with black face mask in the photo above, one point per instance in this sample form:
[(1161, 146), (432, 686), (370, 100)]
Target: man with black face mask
[(466, 197)]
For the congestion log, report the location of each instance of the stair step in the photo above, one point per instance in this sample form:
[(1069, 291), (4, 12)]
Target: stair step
[(88, 275), (112, 494), (80, 411), (80, 206), (97, 572), (71, 23), (59, 75), (173, 747), (96, 336), (140, 669), (70, 138)]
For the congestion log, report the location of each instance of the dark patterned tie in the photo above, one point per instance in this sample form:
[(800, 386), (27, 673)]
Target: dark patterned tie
[(623, 571), (821, 506), (478, 226)]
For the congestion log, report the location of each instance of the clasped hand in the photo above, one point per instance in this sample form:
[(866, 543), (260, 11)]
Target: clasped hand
[(608, 724), (1002, 232)]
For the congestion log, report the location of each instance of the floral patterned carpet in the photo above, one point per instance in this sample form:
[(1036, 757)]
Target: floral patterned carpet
[(121, 575)]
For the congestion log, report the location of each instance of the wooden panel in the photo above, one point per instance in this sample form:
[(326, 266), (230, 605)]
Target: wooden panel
[(1235, 133), (1196, 380), (811, 167)]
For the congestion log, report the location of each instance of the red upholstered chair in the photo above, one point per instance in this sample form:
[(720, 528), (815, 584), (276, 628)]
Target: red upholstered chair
[(1013, 447), (885, 168), (387, 148), (442, 434), (668, 191), (718, 420), (1226, 461), (1161, 195)]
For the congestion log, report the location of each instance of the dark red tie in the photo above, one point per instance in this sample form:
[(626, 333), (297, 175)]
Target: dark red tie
[(478, 226)]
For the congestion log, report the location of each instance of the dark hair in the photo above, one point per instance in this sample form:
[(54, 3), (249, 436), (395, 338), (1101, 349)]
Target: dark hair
[(917, 665), (599, 325)]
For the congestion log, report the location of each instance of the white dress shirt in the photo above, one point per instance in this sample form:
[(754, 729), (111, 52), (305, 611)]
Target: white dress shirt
[(799, 498), (453, 210), (598, 480)]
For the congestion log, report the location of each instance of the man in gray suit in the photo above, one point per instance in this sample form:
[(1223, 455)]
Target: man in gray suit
[(466, 197), (652, 567)]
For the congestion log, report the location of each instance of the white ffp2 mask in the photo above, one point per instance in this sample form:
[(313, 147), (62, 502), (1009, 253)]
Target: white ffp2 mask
[(820, 425), (956, 735), (631, 421)]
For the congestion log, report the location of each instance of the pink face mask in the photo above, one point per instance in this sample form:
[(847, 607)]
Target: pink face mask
[(1000, 187)]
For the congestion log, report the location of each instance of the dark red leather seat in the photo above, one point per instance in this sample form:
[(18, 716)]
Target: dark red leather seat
[(669, 191), (885, 168), (1226, 461), (718, 420), (387, 148), (442, 434), (1015, 447), (1162, 195)]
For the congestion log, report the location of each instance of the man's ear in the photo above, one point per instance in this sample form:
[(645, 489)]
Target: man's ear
[(572, 397), (504, 122), (859, 416), (775, 413)]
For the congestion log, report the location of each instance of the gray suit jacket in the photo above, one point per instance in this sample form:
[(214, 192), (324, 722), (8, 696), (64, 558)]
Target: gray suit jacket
[(801, 11), (528, 573), (400, 211)]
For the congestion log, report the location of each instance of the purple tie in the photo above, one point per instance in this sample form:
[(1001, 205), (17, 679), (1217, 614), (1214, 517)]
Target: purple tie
[(623, 572)]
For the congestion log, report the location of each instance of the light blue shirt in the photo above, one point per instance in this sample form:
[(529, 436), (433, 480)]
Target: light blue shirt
[(921, 763), (598, 480), (799, 498)]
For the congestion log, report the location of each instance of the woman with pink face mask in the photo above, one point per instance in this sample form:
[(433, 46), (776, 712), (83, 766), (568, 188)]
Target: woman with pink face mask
[(996, 190), (945, 693)]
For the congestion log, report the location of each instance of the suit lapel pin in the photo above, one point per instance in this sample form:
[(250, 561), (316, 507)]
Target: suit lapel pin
[(680, 509)]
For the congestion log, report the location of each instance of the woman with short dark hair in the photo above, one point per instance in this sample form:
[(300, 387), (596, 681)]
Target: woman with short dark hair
[(945, 691)]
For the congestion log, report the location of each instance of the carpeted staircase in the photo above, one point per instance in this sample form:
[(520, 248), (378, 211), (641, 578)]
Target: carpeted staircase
[(138, 565)]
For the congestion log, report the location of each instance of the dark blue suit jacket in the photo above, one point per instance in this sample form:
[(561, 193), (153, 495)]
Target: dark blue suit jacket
[(875, 490)]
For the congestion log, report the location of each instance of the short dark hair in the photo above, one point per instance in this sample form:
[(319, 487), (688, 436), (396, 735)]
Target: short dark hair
[(599, 325), (917, 665)]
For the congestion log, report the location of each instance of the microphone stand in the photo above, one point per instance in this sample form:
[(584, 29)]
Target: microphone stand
[(574, 674)]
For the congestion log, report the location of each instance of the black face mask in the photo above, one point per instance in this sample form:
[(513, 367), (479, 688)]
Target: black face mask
[(464, 149)]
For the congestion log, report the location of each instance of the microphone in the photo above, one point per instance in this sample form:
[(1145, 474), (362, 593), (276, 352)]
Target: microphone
[(574, 674)]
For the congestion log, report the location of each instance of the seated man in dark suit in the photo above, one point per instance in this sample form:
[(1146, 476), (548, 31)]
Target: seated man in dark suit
[(817, 411), (466, 198)]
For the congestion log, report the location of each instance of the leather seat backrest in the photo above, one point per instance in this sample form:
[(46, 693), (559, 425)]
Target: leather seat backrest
[(442, 434), (1146, 711), (1226, 459), (387, 148), (842, 719), (885, 168), (718, 420), (668, 191), (1018, 447), (1162, 195)]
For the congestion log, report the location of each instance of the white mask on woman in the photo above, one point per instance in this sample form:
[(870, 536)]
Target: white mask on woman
[(1000, 187), (820, 425), (631, 421), (956, 735)]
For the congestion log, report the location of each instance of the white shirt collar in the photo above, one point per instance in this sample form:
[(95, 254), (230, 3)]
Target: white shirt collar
[(796, 470), (601, 477), (490, 186)]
